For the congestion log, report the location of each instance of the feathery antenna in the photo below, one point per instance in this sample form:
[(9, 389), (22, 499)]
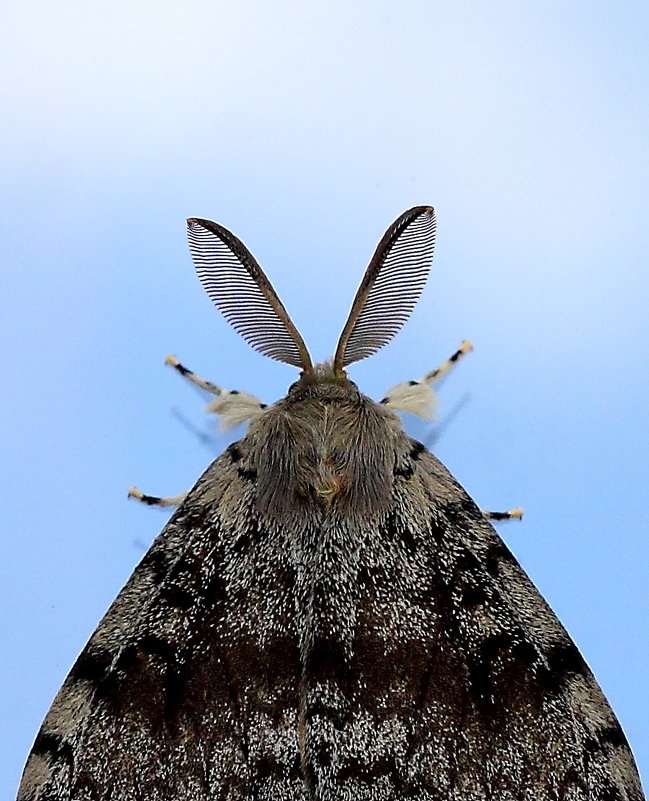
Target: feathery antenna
[(390, 288), (238, 287)]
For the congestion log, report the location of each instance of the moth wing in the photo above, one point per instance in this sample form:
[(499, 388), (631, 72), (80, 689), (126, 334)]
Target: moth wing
[(463, 684), (539, 702), (411, 659), (173, 697)]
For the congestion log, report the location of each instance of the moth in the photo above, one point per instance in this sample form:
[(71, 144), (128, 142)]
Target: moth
[(328, 615)]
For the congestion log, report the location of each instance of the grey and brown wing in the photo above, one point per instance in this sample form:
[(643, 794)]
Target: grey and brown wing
[(173, 698), (479, 692), (584, 752)]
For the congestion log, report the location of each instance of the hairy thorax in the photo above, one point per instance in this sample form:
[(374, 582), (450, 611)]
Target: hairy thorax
[(325, 446)]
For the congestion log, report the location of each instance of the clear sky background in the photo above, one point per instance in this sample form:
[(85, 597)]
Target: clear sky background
[(306, 128)]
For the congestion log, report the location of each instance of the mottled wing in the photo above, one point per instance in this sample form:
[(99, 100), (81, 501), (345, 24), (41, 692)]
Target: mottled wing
[(449, 677), (185, 691), (391, 286), (396, 655), (238, 287)]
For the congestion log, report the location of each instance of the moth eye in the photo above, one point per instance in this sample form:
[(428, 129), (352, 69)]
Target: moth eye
[(293, 386)]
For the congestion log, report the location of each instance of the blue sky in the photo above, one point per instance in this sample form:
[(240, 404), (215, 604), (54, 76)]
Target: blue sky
[(306, 129)]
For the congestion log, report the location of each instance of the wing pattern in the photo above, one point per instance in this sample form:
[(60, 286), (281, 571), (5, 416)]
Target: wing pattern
[(288, 651)]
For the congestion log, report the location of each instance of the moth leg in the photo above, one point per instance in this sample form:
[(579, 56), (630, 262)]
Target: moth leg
[(446, 366), (231, 406), (213, 389), (418, 397), (512, 514), (154, 500)]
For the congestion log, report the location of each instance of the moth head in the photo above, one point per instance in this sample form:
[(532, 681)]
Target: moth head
[(391, 286), (322, 375)]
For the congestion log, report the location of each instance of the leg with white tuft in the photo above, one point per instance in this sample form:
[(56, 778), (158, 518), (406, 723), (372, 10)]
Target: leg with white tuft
[(444, 368), (154, 500), (418, 397), (208, 386), (232, 406), (499, 517)]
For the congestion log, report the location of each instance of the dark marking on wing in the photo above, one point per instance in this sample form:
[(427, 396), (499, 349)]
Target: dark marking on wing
[(473, 595), (481, 664), (92, 665), (417, 449), (234, 452), (496, 554), (157, 562), (404, 470), (326, 659), (177, 596), (247, 474), (614, 736), (608, 737), (610, 792), (48, 743), (564, 660)]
